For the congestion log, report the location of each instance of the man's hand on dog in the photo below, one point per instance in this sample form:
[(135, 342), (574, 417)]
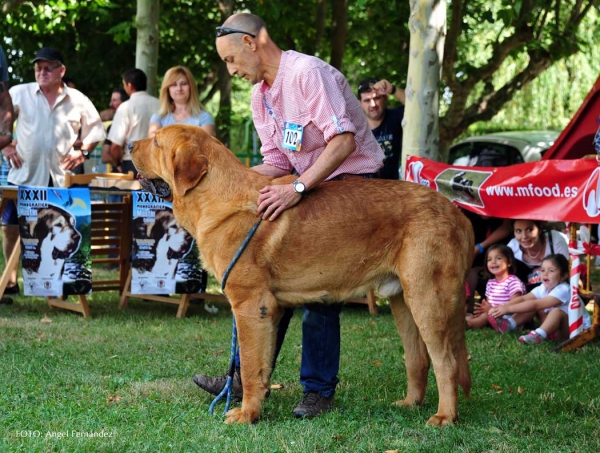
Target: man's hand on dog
[(273, 200)]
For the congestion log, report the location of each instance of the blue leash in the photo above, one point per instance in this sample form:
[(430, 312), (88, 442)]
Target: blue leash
[(228, 389)]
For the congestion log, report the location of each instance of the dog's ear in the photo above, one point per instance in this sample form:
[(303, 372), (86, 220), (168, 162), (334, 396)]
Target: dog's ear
[(188, 169)]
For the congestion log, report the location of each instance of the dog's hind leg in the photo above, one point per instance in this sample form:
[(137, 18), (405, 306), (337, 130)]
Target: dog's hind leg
[(438, 311), (256, 319), (415, 352)]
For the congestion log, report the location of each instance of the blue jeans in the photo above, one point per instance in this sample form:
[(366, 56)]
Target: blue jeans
[(320, 347)]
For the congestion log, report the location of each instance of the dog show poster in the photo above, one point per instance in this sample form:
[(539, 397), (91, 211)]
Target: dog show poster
[(54, 224), (165, 259)]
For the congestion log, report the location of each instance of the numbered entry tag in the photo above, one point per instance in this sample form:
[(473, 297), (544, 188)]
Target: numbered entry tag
[(292, 136)]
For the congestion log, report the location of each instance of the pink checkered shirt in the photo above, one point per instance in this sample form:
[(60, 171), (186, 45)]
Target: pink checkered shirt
[(499, 293), (309, 92)]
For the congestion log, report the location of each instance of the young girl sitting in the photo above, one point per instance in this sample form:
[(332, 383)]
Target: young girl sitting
[(502, 287), (550, 300)]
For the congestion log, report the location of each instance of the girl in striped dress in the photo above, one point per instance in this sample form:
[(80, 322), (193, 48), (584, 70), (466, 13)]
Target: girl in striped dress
[(501, 288)]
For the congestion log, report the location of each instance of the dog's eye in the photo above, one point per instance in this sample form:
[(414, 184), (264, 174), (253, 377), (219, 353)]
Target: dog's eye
[(155, 142)]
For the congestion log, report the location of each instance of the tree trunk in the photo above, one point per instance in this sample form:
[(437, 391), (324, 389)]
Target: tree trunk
[(146, 53), (427, 24), (224, 83), (340, 32)]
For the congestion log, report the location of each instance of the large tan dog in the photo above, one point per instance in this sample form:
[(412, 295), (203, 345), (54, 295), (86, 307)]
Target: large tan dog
[(343, 239)]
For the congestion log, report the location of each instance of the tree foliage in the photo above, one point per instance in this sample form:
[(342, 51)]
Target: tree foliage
[(493, 53), (494, 50)]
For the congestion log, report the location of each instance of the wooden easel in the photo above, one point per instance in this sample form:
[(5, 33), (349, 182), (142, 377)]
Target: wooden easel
[(181, 300), (370, 300)]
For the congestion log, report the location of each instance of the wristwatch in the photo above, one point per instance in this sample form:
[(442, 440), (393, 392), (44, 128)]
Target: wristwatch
[(299, 187), (85, 152)]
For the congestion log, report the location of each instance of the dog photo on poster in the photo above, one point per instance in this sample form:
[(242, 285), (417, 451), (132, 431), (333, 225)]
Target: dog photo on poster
[(54, 225), (164, 257)]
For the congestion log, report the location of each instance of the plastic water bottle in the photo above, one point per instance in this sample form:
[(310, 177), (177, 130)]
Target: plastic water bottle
[(4, 172)]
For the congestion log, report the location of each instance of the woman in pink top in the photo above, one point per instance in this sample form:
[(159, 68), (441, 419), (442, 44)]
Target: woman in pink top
[(501, 288)]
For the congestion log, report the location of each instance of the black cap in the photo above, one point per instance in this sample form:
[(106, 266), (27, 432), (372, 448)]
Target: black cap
[(48, 54)]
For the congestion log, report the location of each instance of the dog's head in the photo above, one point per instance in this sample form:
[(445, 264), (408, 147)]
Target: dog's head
[(167, 228), (59, 226), (53, 224), (175, 160)]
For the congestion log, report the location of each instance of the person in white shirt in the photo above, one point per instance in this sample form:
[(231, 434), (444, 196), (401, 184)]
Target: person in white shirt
[(531, 244), (51, 118), (550, 301), (132, 119)]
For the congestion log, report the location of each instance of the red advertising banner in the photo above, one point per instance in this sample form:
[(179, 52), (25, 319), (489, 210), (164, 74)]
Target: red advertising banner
[(550, 190)]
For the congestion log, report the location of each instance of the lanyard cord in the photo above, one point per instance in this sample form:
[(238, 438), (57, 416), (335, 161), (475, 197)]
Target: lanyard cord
[(228, 389)]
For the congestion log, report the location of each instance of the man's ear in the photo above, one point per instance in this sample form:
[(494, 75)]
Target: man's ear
[(188, 170)]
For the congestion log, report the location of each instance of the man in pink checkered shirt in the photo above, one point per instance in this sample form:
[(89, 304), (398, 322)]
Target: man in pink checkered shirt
[(309, 122)]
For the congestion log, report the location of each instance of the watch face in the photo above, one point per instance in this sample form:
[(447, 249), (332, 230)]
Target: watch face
[(299, 187)]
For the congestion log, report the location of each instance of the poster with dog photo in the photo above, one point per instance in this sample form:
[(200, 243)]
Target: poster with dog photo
[(164, 257), (54, 225)]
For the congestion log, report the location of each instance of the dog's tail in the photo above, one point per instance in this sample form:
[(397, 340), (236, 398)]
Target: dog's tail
[(462, 361)]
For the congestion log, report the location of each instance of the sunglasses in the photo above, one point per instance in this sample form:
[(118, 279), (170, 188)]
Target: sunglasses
[(47, 69), (367, 86), (223, 31)]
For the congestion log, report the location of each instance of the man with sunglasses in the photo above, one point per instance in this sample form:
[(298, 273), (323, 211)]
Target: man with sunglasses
[(309, 122), (385, 123), (51, 117)]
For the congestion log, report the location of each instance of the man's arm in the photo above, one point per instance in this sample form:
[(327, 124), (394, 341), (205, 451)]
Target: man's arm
[(387, 88), (118, 134), (273, 200), (6, 115), (270, 170), (116, 154)]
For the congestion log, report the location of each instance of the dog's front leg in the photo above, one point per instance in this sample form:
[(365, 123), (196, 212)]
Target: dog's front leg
[(256, 322)]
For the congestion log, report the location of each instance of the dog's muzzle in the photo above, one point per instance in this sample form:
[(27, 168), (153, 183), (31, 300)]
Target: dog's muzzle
[(156, 187)]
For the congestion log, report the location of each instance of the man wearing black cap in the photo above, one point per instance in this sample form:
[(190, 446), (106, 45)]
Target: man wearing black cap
[(50, 119)]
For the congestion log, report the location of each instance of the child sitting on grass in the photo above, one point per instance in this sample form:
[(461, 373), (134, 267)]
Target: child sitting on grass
[(502, 287), (550, 301)]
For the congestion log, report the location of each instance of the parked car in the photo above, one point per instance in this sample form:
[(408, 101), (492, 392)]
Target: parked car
[(502, 148)]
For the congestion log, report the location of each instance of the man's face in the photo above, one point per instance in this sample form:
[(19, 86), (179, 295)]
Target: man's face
[(239, 58), (127, 87), (115, 100), (373, 105), (48, 74)]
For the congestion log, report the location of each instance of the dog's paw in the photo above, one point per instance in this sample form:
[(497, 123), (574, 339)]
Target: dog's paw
[(238, 415), (408, 402), (441, 420)]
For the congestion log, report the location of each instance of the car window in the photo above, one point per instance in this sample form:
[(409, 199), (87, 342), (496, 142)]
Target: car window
[(460, 150), (486, 154)]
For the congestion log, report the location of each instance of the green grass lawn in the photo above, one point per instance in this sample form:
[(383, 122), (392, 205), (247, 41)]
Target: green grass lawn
[(126, 375)]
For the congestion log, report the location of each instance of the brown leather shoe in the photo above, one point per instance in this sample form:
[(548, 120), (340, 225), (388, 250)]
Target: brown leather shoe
[(312, 405), (215, 385), (5, 300)]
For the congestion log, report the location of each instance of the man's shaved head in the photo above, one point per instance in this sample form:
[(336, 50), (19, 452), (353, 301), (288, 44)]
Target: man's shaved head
[(246, 22)]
